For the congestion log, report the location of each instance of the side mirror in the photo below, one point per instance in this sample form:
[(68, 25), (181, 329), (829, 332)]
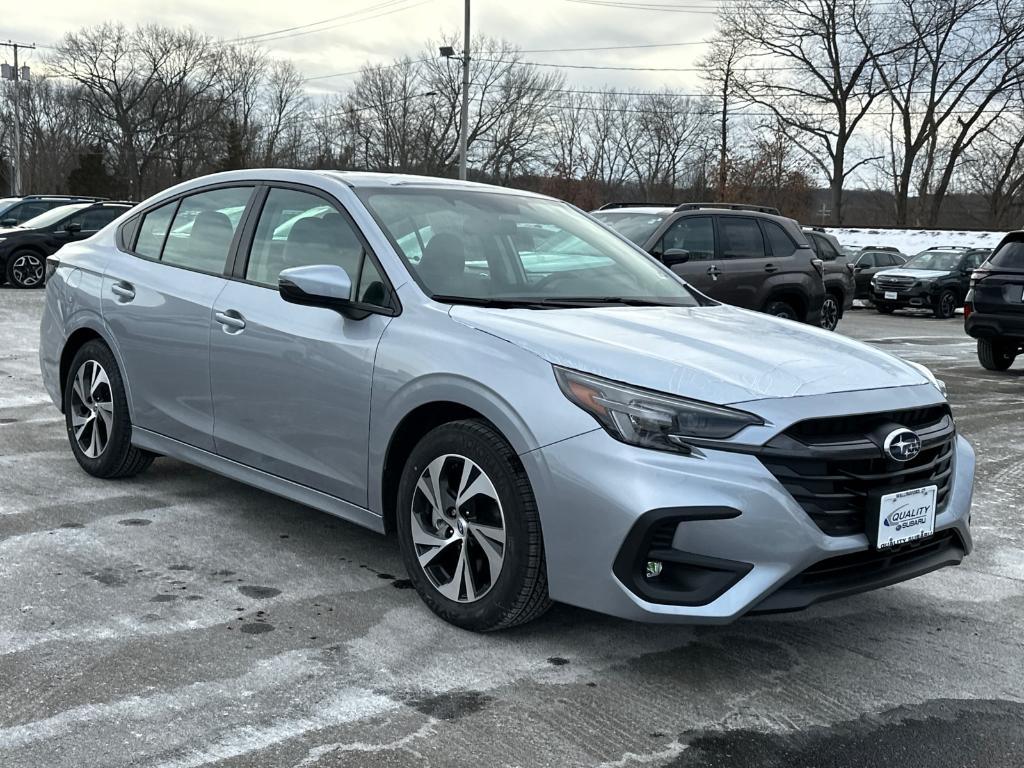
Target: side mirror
[(320, 285), (674, 256), (73, 227)]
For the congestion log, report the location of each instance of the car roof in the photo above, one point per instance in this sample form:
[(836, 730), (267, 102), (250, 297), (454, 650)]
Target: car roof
[(643, 210)]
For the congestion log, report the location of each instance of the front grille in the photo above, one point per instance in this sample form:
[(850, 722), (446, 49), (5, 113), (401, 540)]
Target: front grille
[(830, 466), (894, 282)]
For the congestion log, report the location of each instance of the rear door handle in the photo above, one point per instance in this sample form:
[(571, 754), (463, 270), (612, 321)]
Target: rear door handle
[(230, 319), (770, 268), (123, 290)]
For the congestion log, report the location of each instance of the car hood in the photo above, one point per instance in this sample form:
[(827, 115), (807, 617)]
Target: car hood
[(917, 274), (718, 354)]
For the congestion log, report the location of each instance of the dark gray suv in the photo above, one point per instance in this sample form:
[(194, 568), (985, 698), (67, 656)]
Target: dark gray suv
[(745, 255)]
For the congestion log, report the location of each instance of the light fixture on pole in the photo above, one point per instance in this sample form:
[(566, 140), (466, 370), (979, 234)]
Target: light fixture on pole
[(449, 53)]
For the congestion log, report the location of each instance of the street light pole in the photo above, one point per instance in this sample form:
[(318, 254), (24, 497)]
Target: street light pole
[(464, 124), (16, 76)]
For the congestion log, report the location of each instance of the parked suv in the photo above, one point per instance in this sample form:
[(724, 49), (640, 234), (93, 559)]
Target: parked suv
[(744, 255), (867, 264), (16, 210), (538, 409), (23, 249), (839, 284), (936, 279), (994, 308)]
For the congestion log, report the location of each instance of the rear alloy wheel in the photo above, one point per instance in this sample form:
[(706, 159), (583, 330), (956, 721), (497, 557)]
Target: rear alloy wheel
[(26, 269), (945, 307), (96, 415), (830, 312), (996, 354), (780, 309), (469, 529)]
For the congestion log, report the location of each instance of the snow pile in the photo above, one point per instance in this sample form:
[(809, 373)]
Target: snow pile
[(911, 241)]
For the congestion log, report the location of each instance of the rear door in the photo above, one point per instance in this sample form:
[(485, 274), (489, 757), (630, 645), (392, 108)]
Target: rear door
[(999, 287), (745, 264), (158, 302), (695, 234)]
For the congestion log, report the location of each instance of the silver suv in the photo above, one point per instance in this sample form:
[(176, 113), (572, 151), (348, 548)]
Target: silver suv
[(537, 408)]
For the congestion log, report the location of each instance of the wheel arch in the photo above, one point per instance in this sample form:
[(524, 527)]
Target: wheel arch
[(793, 296), (78, 338)]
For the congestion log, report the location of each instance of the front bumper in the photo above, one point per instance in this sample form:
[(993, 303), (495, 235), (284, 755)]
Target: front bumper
[(921, 297), (593, 491)]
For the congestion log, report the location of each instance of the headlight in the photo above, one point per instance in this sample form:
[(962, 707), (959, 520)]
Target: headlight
[(650, 419), (926, 372)]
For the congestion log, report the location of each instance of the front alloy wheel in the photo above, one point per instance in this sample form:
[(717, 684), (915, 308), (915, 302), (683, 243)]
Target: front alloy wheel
[(469, 529), (830, 313), (458, 528), (26, 269), (945, 307)]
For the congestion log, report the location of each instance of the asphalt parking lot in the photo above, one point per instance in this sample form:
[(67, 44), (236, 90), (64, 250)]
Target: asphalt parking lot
[(182, 619)]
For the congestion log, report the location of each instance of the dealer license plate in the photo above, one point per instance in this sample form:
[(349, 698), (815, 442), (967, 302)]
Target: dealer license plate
[(890, 295), (906, 516)]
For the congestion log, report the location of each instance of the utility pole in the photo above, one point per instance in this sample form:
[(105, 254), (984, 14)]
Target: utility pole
[(17, 75), (464, 133)]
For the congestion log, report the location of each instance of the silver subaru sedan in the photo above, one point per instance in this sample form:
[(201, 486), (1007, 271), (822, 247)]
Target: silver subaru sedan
[(535, 407)]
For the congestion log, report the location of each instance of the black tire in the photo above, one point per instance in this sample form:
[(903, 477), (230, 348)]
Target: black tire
[(831, 309), (520, 592), (119, 458), (945, 305), (996, 354), (885, 309), (25, 269), (780, 309)]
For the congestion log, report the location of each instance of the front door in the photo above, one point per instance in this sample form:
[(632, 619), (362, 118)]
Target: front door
[(696, 235), (745, 262), (158, 303), (867, 265), (291, 384)]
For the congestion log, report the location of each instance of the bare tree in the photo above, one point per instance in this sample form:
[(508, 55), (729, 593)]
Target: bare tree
[(285, 106), (719, 67)]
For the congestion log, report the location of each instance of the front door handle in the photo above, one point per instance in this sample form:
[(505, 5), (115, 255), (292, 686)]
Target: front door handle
[(230, 319), (770, 268), (714, 272), (123, 290)]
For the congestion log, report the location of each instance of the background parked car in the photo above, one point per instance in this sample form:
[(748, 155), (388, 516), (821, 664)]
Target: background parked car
[(994, 307), (16, 210), (23, 249), (867, 264), (936, 279), (839, 284), (745, 255)]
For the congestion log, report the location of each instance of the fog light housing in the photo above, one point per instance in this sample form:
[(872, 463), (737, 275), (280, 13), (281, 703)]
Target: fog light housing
[(653, 569)]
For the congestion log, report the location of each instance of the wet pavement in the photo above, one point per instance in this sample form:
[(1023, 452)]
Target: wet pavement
[(182, 619)]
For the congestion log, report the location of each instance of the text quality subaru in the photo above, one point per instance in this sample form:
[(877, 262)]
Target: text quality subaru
[(536, 407)]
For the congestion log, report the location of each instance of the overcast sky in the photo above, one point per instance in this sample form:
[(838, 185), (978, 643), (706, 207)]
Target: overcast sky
[(376, 31)]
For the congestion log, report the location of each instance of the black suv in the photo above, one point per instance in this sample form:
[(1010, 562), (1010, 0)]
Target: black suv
[(745, 255), (994, 308), (935, 279), (868, 263), (15, 210), (839, 283), (23, 249)]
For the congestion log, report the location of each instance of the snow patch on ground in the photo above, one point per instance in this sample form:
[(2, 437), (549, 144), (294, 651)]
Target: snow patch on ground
[(911, 241)]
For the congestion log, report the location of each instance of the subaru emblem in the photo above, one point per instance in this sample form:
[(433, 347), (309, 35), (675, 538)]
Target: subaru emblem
[(902, 444)]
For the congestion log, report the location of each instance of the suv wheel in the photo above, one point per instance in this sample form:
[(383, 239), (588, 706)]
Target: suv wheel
[(945, 306), (780, 309), (96, 415), (25, 269), (996, 354), (469, 530), (830, 312)]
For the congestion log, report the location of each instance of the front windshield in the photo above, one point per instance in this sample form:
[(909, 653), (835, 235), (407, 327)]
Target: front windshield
[(488, 247), (638, 227), (942, 261), (52, 216)]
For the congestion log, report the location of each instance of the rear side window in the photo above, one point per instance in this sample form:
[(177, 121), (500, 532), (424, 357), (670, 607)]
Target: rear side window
[(153, 231), (695, 234), (1010, 256), (783, 246), (203, 227), (741, 238)]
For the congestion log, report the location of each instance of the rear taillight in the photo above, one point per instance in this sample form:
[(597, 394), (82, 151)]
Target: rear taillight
[(968, 305), (52, 262)]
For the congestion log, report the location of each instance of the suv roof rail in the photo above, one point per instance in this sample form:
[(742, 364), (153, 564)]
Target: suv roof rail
[(609, 206), (729, 206), (82, 198), (949, 248), (812, 228), (119, 202)]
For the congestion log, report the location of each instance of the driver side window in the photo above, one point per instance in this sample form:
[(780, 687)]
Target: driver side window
[(695, 234)]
